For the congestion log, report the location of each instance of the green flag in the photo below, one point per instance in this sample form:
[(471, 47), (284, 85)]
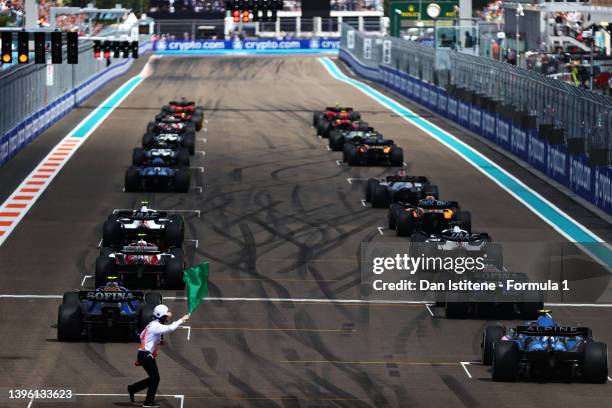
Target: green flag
[(196, 284)]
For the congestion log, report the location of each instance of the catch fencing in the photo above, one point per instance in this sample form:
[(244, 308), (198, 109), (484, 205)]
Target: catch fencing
[(563, 131)]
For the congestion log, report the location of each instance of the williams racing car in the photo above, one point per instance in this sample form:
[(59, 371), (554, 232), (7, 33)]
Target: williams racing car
[(139, 259), (373, 150), (429, 216), (169, 157), (123, 226), (109, 310), (170, 140), (543, 346), (157, 177), (399, 187)]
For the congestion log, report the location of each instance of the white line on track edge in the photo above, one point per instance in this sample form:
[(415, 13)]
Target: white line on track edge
[(464, 364)]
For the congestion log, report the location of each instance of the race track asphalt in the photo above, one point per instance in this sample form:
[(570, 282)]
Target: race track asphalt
[(277, 219)]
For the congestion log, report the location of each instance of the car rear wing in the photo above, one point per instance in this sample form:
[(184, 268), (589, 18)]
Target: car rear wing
[(134, 249), (438, 204), (123, 213), (408, 179), (110, 296), (566, 331)]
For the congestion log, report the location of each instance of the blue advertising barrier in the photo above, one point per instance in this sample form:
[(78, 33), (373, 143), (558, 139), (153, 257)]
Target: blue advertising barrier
[(289, 46), (35, 124), (593, 183)]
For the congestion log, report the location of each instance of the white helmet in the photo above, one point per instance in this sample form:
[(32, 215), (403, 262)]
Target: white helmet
[(160, 311)]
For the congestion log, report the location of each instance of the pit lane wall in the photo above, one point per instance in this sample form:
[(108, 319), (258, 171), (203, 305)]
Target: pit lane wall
[(573, 171), (287, 46), (35, 123)]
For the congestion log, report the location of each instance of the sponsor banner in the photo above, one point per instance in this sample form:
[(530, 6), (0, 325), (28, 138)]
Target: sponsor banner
[(452, 107), (475, 119), (502, 136), (536, 152), (463, 114), (518, 142), (488, 125), (179, 46), (602, 188), (558, 164), (581, 176)]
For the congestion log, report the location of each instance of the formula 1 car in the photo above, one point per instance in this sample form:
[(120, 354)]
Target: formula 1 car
[(430, 216), (169, 141), (165, 230), (458, 242), (183, 106), (169, 157), (321, 119), (140, 258), (373, 150), (399, 187), (357, 130), (499, 303), (157, 177), (110, 309), (180, 117), (544, 346)]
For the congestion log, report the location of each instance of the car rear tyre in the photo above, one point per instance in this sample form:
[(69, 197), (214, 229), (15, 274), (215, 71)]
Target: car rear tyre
[(71, 298), (396, 156), (148, 140), (138, 156), (181, 180), (174, 231), (405, 224), (132, 179), (353, 156), (183, 157), (174, 274), (371, 184), (595, 363), (380, 196), (69, 322), (189, 142), (111, 234), (490, 336), (105, 267), (394, 210), (505, 361)]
